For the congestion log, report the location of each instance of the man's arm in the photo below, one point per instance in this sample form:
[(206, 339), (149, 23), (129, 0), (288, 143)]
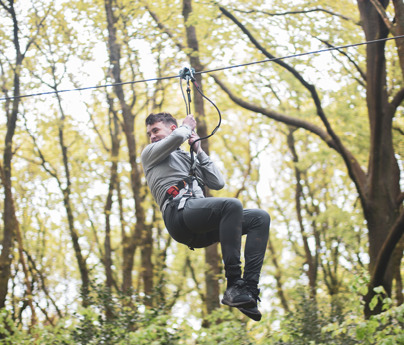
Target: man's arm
[(206, 169), (209, 172), (156, 152)]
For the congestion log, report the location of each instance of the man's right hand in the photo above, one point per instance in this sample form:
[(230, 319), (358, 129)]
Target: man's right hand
[(189, 121)]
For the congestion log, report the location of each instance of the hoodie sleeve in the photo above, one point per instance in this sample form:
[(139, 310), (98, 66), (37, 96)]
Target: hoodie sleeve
[(154, 153), (208, 172)]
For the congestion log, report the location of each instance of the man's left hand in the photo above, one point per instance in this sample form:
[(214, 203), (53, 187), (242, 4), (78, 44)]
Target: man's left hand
[(197, 147)]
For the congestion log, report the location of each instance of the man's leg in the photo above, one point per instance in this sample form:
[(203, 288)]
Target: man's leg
[(225, 216), (256, 226)]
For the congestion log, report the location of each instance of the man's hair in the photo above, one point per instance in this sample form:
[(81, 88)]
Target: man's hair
[(166, 118)]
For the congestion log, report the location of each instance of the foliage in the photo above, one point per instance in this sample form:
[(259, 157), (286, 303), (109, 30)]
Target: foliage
[(130, 322), (310, 324), (133, 324), (224, 329), (386, 328)]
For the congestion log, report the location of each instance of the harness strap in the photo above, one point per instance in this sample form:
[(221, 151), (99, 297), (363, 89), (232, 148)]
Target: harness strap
[(187, 183)]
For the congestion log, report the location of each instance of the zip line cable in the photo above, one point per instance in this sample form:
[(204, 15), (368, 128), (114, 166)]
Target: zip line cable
[(207, 71), (87, 88), (304, 54)]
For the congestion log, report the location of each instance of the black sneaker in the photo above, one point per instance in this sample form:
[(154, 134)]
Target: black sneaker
[(237, 295), (252, 313)]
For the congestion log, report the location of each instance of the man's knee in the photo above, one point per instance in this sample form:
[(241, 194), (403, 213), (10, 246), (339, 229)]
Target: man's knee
[(263, 217), (233, 205)]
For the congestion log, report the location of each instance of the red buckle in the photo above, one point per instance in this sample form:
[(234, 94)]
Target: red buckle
[(173, 190)]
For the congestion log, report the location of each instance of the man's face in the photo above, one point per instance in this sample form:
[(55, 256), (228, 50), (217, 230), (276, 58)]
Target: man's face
[(158, 131)]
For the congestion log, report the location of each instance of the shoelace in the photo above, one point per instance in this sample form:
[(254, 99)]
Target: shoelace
[(255, 292)]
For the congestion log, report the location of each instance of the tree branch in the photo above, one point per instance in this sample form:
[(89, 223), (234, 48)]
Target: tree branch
[(43, 282), (292, 70), (34, 36), (289, 120), (354, 169), (273, 14), (361, 72), (163, 28), (4, 6), (44, 163), (382, 12), (397, 99), (386, 251), (188, 264), (400, 198)]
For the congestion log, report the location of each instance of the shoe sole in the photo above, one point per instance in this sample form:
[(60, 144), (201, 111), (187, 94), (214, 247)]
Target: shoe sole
[(249, 304), (253, 316)]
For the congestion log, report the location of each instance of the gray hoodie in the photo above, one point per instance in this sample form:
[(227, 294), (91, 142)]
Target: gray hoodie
[(165, 164)]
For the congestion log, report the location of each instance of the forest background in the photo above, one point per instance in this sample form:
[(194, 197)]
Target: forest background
[(316, 140)]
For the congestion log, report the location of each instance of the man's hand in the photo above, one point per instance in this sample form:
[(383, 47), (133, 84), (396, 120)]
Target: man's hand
[(197, 147), (189, 121)]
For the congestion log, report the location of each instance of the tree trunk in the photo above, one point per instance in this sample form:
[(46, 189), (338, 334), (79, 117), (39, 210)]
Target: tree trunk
[(397, 258), (147, 265), (380, 208), (131, 242), (9, 216), (311, 259), (10, 224), (66, 191), (113, 183), (278, 277), (212, 258), (28, 285)]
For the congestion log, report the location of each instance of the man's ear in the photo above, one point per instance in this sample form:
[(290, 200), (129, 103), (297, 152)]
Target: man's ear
[(172, 127)]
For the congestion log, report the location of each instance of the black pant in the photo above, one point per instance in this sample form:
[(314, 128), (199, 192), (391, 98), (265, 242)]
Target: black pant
[(205, 221)]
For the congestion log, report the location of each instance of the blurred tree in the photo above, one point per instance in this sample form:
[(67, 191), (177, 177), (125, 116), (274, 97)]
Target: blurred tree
[(378, 187), (11, 229)]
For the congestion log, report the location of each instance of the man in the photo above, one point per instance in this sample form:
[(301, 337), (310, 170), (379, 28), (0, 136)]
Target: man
[(197, 221)]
